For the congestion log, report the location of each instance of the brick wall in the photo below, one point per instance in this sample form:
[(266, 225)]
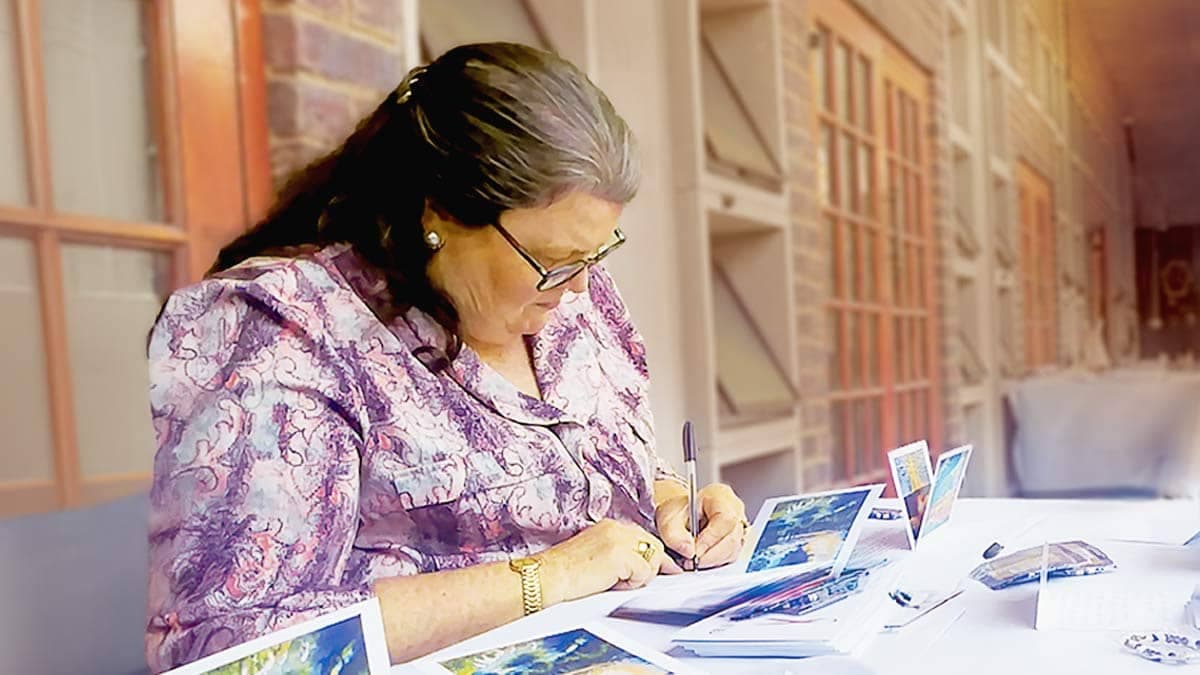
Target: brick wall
[(329, 62)]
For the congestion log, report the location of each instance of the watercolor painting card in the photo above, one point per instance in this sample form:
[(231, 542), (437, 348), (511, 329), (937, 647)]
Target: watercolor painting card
[(348, 641), (588, 649), (947, 482), (817, 529), (912, 475)]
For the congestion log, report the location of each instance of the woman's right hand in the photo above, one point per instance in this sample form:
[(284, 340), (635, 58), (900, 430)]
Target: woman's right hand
[(602, 557)]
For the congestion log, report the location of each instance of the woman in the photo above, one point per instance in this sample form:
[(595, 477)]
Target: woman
[(412, 381)]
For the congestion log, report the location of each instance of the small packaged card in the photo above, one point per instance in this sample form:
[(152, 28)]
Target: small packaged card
[(1063, 559)]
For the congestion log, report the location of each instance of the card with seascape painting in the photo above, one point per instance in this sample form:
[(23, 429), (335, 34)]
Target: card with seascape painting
[(816, 530), (347, 641), (591, 649), (947, 482)]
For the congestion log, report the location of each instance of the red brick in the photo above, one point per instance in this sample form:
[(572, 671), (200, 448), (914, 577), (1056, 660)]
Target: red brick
[(279, 40), (282, 114), (347, 58)]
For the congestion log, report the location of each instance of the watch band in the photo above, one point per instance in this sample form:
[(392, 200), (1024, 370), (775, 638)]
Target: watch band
[(531, 583)]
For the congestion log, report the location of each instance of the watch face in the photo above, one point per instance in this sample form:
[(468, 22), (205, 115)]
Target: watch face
[(525, 563)]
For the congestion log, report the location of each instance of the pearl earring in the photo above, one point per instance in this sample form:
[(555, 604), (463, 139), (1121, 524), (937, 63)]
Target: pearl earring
[(433, 240)]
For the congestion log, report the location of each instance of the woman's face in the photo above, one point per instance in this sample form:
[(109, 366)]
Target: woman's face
[(493, 288)]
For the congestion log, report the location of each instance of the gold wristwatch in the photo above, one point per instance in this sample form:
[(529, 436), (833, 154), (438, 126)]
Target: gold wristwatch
[(531, 582)]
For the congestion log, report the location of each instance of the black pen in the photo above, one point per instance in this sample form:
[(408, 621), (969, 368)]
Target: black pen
[(689, 461)]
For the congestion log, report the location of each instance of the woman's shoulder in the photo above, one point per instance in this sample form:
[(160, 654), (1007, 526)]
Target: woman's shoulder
[(291, 287)]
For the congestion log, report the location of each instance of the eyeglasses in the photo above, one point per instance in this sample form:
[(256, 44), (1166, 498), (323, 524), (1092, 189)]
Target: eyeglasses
[(557, 276)]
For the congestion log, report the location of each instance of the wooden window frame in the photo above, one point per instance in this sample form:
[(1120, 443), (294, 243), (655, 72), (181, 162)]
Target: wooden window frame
[(908, 381), (206, 80), (1038, 267)]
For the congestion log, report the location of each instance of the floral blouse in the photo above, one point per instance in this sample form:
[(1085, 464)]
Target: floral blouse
[(306, 448)]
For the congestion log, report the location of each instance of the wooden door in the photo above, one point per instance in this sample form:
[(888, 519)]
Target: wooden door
[(1039, 287), (870, 102), (139, 145)]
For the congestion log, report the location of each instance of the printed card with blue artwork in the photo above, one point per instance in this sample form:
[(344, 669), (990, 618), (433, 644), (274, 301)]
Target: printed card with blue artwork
[(817, 530), (947, 482), (347, 641), (587, 649)]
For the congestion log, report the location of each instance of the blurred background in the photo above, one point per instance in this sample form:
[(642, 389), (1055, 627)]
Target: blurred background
[(863, 222)]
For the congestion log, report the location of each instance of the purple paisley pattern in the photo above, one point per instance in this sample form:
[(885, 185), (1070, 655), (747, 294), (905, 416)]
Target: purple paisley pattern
[(304, 451)]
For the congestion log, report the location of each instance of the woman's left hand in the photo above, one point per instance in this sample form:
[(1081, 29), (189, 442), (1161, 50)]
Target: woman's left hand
[(722, 526)]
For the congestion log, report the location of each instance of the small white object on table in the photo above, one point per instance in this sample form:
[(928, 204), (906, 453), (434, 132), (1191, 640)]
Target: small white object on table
[(982, 632)]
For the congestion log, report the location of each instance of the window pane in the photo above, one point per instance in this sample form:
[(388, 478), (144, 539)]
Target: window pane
[(863, 79), (854, 347), (866, 180), (820, 68), (14, 176), (873, 348), (875, 433), (24, 398), (103, 155), (899, 298), (841, 75), (862, 437), (846, 173), (825, 155), (839, 346), (835, 287), (869, 265), (850, 261), (837, 430), (112, 297), (919, 349)]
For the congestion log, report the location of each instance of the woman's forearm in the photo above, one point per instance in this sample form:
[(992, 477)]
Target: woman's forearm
[(426, 612)]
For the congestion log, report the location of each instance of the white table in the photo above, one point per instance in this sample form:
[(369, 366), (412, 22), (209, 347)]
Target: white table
[(994, 630)]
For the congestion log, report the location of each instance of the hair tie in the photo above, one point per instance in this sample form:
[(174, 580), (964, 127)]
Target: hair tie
[(405, 90)]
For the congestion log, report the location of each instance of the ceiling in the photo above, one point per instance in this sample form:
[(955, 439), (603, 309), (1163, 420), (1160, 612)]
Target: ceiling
[(1151, 50)]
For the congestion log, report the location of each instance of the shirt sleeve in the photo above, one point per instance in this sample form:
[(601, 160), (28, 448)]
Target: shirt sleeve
[(607, 301), (255, 497)]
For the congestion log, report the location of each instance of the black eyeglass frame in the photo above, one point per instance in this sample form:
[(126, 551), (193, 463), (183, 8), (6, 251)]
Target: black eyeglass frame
[(563, 274)]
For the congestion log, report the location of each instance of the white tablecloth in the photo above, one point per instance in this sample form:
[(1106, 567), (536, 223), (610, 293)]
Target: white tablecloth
[(982, 632)]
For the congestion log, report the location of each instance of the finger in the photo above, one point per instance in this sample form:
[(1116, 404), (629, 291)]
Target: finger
[(720, 525), (669, 566), (642, 570), (672, 523), (724, 551)]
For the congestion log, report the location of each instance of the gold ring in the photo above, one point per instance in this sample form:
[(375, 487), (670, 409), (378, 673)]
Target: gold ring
[(646, 550)]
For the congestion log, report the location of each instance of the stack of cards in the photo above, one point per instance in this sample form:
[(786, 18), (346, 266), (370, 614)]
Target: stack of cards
[(1063, 559)]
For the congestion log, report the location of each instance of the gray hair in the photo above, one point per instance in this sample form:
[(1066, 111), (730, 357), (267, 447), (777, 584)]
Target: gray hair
[(507, 126)]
